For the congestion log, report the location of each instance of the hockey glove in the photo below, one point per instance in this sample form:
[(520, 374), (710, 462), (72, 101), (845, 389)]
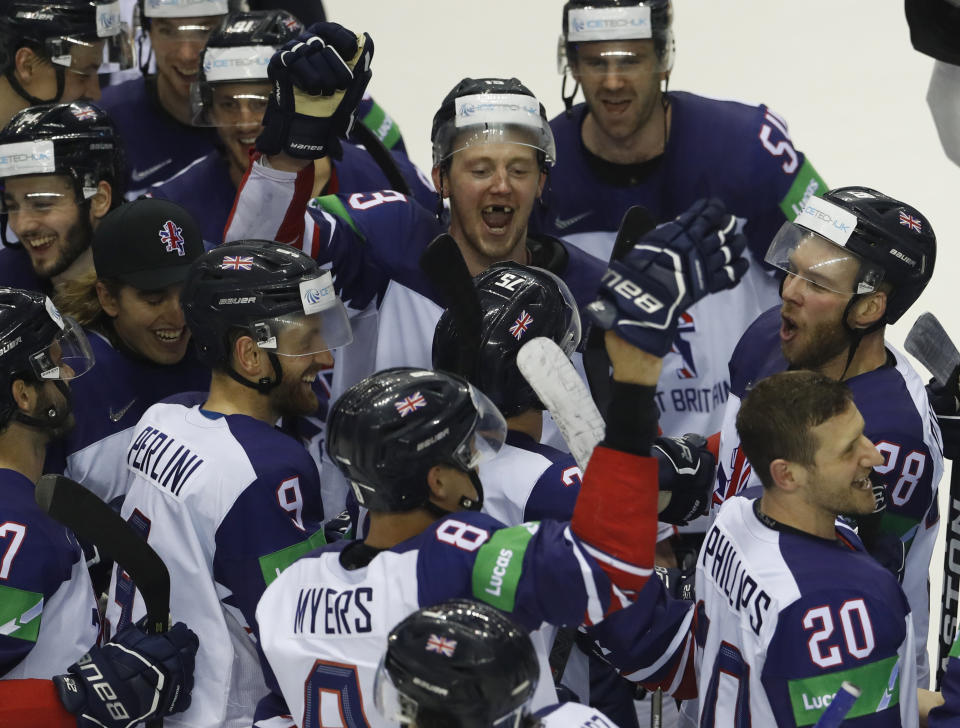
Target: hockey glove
[(885, 547), (318, 80), (679, 583), (643, 294), (134, 677), (685, 469)]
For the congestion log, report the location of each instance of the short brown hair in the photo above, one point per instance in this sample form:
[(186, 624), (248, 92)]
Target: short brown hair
[(778, 413)]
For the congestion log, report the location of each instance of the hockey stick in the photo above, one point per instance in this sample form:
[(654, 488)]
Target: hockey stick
[(382, 156), (444, 265), (92, 520), (932, 347), (844, 699)]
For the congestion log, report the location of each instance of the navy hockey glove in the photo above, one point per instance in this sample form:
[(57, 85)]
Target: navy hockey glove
[(643, 294), (318, 80), (679, 583), (685, 469), (134, 677)]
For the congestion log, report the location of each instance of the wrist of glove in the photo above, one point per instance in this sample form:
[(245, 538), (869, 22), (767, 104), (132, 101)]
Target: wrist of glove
[(679, 583), (318, 81), (685, 470), (134, 677), (643, 294)]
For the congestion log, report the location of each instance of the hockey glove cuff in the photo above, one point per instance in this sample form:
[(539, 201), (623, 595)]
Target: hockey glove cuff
[(686, 470)]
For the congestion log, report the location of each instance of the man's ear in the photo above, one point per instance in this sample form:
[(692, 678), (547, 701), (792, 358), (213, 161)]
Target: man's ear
[(248, 358), (436, 480), (26, 64), (100, 202), (108, 302), (786, 476), (437, 174), (868, 310), (24, 395)]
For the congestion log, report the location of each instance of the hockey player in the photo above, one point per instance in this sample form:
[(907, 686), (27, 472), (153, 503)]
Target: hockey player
[(61, 170), (855, 261), (52, 52), (130, 308), (409, 440), (139, 675), (231, 95), (465, 663), (47, 604), (225, 498), (634, 143)]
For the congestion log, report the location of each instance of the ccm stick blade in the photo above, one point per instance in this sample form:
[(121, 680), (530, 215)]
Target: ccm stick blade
[(841, 704), (93, 520), (548, 370), (929, 343)]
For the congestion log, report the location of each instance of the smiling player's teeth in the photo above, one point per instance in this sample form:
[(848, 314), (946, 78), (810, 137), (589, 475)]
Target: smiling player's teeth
[(40, 241), (168, 334)]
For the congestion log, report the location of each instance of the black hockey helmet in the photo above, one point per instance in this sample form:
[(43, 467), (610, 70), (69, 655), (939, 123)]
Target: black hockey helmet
[(488, 110), (37, 344), (460, 663), (388, 430), (271, 292), (882, 239), (77, 139), (518, 303), (55, 28), (238, 51)]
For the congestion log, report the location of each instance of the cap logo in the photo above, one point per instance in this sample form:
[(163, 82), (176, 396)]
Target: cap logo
[(911, 222), (441, 645), (237, 262), (410, 404), (171, 235), (617, 23), (521, 325)]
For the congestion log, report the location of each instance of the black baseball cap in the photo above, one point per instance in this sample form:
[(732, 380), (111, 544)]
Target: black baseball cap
[(147, 243)]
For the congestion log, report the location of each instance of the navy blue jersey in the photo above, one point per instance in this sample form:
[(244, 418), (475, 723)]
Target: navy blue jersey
[(207, 191), (948, 714), (897, 419), (17, 272), (48, 611), (107, 402), (157, 146)]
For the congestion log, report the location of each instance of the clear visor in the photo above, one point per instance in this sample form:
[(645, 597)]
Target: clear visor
[(570, 340), (229, 104), (166, 33), (92, 56), (35, 204), (303, 334), (67, 357), (800, 252), (631, 58), (486, 438), (390, 702), (494, 119)]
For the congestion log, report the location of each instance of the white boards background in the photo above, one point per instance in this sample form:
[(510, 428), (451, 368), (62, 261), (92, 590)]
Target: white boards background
[(841, 72)]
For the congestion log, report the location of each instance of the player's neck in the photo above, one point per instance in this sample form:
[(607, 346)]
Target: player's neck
[(10, 102), (648, 142), (78, 270), (790, 511), (229, 397), (529, 423), (389, 529), (174, 104), (477, 262), (871, 354), (23, 448)]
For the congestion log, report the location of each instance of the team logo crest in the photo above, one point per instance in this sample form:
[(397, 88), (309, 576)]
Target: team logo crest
[(83, 113), (171, 235), (911, 222), (441, 645), (521, 325), (237, 262), (410, 404), (681, 346)]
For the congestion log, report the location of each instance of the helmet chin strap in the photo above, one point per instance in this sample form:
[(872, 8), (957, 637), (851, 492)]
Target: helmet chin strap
[(55, 417), (855, 336), (30, 98), (265, 384)]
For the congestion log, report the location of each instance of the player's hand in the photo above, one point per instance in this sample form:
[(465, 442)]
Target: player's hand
[(134, 677), (685, 469), (643, 294), (679, 583), (318, 80)]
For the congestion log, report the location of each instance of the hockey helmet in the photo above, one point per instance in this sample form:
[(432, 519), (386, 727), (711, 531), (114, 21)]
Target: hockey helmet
[(238, 52), (271, 292), (852, 240), (491, 110), (69, 33), (461, 660), (37, 344), (518, 303), (77, 139), (388, 430)]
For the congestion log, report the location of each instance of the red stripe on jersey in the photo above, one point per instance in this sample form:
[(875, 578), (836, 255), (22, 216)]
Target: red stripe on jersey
[(254, 156), (32, 704), (291, 229)]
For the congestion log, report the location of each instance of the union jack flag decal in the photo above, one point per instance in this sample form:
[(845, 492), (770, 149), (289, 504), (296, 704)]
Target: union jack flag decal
[(84, 112), (521, 325), (409, 404), (172, 236), (237, 262), (910, 221), (441, 645)]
